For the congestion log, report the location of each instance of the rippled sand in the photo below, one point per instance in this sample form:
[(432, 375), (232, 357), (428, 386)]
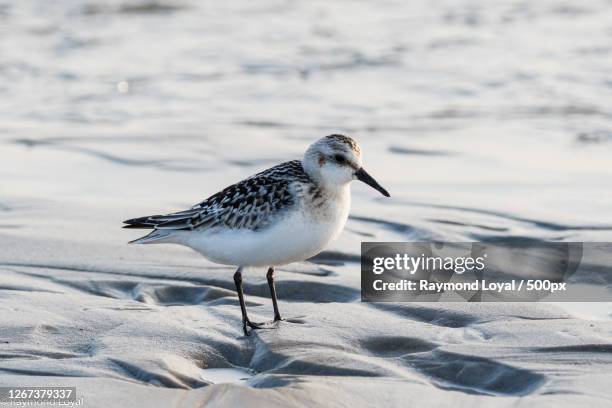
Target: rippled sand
[(483, 121)]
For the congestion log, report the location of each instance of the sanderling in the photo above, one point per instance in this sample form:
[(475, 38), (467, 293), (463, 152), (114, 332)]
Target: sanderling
[(285, 214)]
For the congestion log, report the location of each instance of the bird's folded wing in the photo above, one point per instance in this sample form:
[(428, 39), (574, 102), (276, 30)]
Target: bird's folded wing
[(249, 204)]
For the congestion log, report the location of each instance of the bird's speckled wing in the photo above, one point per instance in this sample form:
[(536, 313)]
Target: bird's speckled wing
[(249, 204)]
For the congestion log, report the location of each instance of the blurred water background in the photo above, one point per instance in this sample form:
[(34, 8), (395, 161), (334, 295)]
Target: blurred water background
[(482, 118)]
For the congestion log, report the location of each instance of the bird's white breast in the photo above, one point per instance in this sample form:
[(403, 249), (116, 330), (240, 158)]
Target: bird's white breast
[(302, 232)]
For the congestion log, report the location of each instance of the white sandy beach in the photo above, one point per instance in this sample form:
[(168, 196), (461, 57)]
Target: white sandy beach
[(145, 324), (105, 116)]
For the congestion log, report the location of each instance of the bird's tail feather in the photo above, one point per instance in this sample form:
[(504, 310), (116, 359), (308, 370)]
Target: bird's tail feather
[(155, 237)]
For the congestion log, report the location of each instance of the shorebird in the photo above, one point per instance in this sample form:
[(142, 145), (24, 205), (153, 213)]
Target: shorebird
[(284, 214)]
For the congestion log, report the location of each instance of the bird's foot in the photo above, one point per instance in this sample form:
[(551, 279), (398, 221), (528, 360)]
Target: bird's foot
[(257, 326)]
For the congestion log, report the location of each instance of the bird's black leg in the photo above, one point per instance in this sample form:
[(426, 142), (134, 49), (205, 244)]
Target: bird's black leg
[(270, 277), (245, 319)]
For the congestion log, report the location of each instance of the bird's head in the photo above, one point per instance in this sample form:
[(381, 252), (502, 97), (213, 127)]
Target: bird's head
[(335, 160)]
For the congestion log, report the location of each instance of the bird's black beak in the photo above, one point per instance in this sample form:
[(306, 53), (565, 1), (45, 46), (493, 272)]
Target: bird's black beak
[(363, 175)]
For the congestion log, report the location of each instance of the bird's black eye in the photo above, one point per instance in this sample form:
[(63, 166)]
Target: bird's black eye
[(340, 158)]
